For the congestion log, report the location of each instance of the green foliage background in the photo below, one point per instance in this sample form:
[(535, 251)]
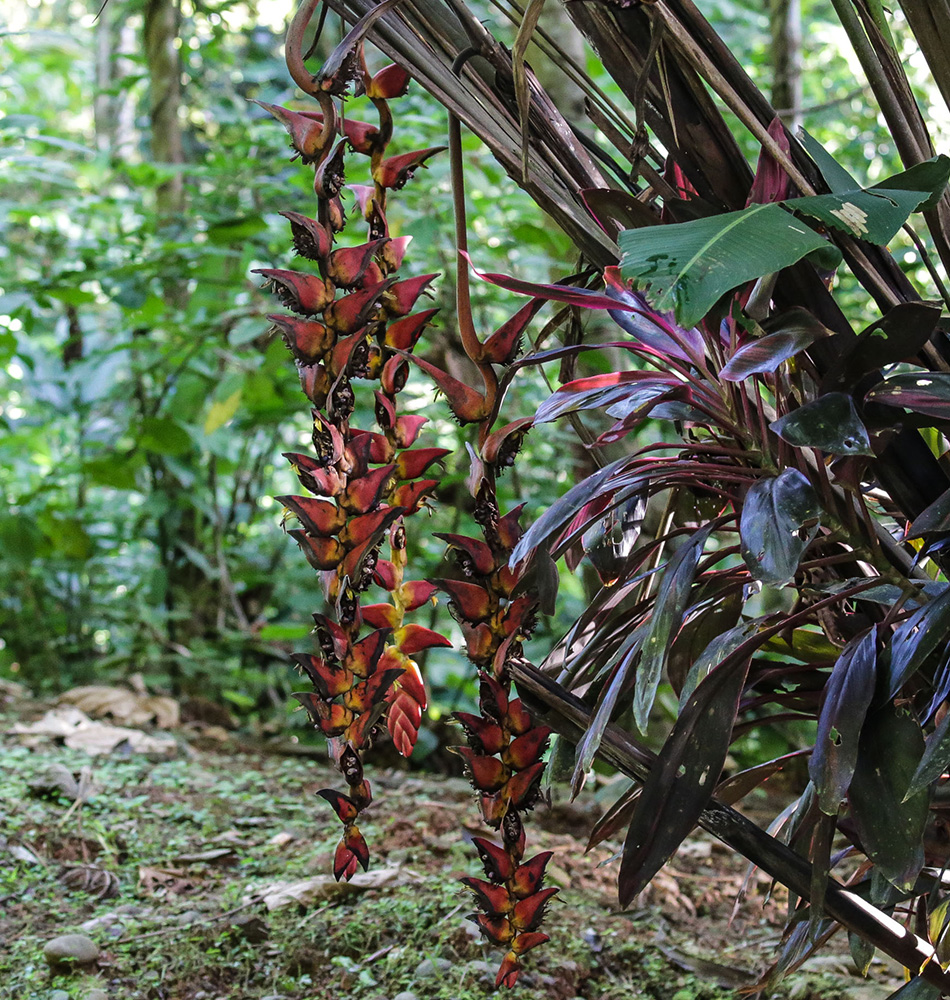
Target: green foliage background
[(143, 409)]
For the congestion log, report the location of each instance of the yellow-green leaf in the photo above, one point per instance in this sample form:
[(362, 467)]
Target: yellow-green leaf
[(222, 411)]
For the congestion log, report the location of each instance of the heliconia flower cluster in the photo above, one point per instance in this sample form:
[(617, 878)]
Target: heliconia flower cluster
[(352, 320)]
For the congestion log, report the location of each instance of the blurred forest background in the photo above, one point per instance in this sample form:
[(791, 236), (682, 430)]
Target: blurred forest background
[(144, 408)]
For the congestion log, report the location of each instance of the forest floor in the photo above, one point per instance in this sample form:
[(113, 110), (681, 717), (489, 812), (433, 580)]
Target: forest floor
[(201, 871)]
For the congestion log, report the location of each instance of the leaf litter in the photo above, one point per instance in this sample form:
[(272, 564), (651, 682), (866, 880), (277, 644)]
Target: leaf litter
[(205, 912)]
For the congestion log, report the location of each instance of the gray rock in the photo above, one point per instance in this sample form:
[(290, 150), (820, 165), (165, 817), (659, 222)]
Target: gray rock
[(428, 968), (188, 917), (110, 924), (405, 995), (59, 995), (96, 995), (70, 949)]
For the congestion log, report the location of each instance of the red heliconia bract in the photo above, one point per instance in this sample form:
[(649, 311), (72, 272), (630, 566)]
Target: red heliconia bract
[(353, 322)]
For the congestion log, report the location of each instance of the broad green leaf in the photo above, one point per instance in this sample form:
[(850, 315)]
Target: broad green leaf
[(688, 267), (222, 411), (847, 697), (232, 231), (829, 423), (68, 535), (875, 214), (279, 633), (835, 176), (774, 513), (163, 436), (116, 471), (792, 333), (890, 829), (926, 392)]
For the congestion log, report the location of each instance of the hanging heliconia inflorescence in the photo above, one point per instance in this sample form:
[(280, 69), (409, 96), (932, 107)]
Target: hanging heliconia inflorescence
[(353, 323)]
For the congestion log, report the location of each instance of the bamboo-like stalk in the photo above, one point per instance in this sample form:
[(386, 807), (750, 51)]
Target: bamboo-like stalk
[(570, 717)]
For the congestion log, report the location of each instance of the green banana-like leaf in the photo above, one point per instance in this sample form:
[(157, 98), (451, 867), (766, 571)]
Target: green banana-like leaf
[(686, 267)]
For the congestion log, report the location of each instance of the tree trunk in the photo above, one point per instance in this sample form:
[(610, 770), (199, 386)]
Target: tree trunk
[(785, 27), (164, 71)]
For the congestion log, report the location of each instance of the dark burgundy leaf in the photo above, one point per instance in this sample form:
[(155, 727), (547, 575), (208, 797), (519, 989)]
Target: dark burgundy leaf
[(890, 829), (933, 519), (631, 390), (683, 777), (846, 699), (915, 639), (829, 423), (586, 298), (774, 514), (562, 511), (935, 760), (793, 332), (898, 336), (926, 393), (672, 600), (658, 331)]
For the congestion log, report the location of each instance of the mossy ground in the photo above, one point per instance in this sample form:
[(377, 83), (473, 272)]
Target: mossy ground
[(181, 927)]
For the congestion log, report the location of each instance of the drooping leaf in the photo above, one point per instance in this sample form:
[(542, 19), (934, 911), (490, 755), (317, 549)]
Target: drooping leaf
[(935, 760), (683, 777), (846, 699), (672, 598), (790, 333), (890, 829), (687, 267), (932, 519), (774, 514), (633, 389), (657, 331), (564, 508), (915, 639), (926, 392), (590, 742), (829, 423), (573, 295)]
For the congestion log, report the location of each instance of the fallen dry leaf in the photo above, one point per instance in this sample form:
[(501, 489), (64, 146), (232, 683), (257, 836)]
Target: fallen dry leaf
[(123, 706), (79, 732), (325, 888)]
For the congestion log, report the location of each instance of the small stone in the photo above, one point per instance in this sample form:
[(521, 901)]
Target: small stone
[(405, 995), (188, 917), (96, 995), (109, 924), (59, 995), (428, 968), (471, 929), (70, 949)]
